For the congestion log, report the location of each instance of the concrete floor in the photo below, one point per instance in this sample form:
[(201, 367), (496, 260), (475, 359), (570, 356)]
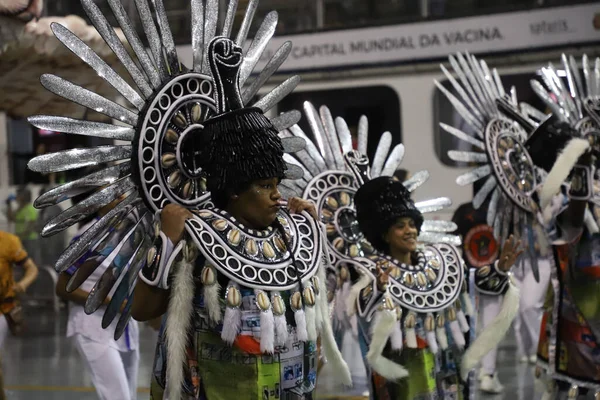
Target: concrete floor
[(45, 365)]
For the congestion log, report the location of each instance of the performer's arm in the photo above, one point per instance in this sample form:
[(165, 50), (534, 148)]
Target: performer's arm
[(31, 273), (151, 302)]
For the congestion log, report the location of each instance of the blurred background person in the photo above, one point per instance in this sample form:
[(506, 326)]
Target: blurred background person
[(112, 364), (528, 321), (12, 253), (24, 216)]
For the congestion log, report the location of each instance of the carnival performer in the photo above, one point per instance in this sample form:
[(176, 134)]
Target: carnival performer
[(241, 279), (423, 289), (392, 223), (565, 145)]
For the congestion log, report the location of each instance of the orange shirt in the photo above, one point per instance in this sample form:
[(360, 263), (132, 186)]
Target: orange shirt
[(11, 252)]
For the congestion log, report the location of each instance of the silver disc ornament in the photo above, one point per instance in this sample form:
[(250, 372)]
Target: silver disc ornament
[(170, 140)]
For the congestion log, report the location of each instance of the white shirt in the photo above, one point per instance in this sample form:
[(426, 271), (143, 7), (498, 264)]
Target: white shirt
[(90, 326)]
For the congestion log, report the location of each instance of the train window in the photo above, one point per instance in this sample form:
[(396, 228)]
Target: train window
[(381, 105), (445, 112)]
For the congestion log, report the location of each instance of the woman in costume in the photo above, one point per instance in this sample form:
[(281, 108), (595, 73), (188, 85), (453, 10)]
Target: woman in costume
[(242, 283), (422, 292)]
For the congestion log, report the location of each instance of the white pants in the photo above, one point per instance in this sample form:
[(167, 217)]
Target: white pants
[(114, 373), (3, 329), (489, 308), (528, 320)]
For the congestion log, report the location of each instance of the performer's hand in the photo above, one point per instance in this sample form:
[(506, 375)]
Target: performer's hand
[(510, 253), (19, 288), (172, 221), (296, 205)]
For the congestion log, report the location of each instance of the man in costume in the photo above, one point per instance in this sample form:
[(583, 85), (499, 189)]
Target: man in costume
[(241, 279)]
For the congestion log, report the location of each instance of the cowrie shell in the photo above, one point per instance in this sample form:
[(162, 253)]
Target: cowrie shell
[(338, 243), (278, 305), (251, 247), (316, 286), (268, 250), (171, 136), (344, 199), (440, 321), (174, 179), (262, 301), (344, 273), (421, 279), (234, 237), (296, 301), (332, 203), (398, 310), (330, 229), (430, 275), (410, 321), (180, 120), (409, 279), (234, 297), (196, 113), (168, 160), (280, 244), (429, 322), (219, 224), (208, 276), (205, 214), (395, 272), (309, 296), (187, 189), (388, 304), (451, 314), (353, 250)]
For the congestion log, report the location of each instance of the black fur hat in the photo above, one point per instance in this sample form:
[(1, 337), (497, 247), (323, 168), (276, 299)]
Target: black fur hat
[(241, 143), (379, 203)]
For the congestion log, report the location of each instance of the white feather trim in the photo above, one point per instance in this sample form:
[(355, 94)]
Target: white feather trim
[(331, 352), (462, 321), (311, 327), (231, 324), (212, 303), (396, 339), (354, 325), (561, 169), (494, 332), (281, 330), (457, 334), (352, 297), (431, 341), (382, 327), (442, 339), (467, 304), (267, 332), (178, 326), (301, 332), (411, 338), (339, 305), (318, 311)]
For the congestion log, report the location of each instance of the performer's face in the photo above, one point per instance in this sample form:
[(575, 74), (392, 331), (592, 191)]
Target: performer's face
[(402, 236), (257, 206)]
